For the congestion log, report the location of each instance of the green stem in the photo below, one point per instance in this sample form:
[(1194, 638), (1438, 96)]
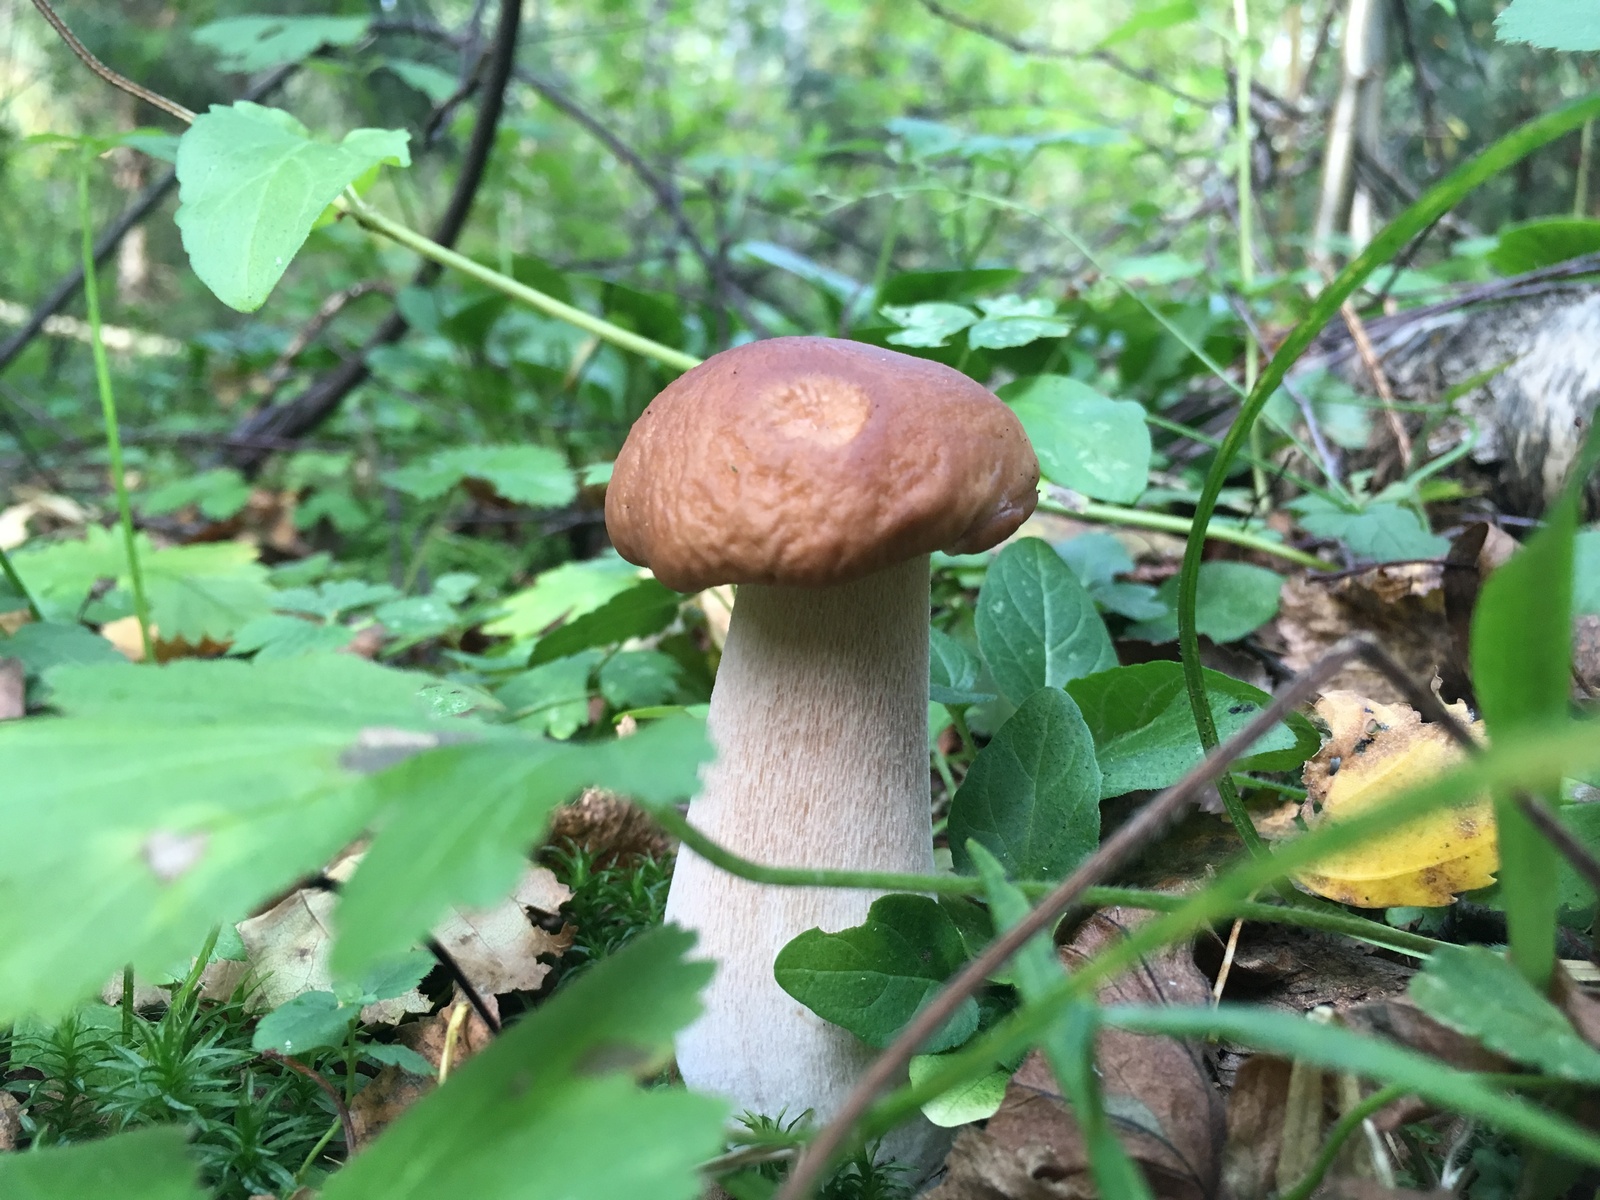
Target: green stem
[(1433, 204), (1337, 1136), (108, 409), (15, 580), (1245, 193), (958, 718), (1329, 920), (1115, 514), (1205, 439), (316, 1151), (371, 219)]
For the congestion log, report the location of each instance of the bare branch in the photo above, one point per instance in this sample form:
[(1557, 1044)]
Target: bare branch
[(120, 82)]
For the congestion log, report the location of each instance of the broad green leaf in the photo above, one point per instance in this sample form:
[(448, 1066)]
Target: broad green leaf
[(640, 679), (334, 598), (953, 672), (252, 183), (1069, 1045), (1552, 24), (563, 592), (1235, 600), (1144, 734), (533, 475), (396, 1055), (1096, 559), (553, 697), (927, 325), (1012, 321), (45, 644), (645, 608), (278, 635), (975, 1100), (200, 592), (460, 820), (255, 43), (1153, 17), (1037, 627), (552, 1101), (1085, 441), (436, 84), (147, 1164), (1586, 573), (1293, 1036), (1530, 245), (1521, 669), (1378, 533), (309, 1021), (166, 800), (218, 494), (1476, 992), (1032, 796), (872, 978)]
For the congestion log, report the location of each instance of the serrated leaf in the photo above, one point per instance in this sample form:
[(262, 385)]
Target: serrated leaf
[(334, 597), (1379, 533), (1037, 627), (1010, 321), (640, 679), (553, 697), (147, 1164), (872, 978), (564, 592), (647, 607), (1235, 599), (1551, 24), (1032, 796), (165, 800), (218, 494), (928, 325), (533, 475), (252, 183), (278, 635), (1144, 734), (1085, 441), (41, 645), (549, 1100), (953, 672), (1476, 992)]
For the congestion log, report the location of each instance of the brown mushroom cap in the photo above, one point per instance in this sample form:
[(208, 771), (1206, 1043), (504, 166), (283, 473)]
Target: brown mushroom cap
[(808, 461)]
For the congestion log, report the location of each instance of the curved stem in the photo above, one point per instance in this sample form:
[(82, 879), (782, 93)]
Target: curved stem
[(1134, 518), (15, 580), (1337, 1136), (370, 219)]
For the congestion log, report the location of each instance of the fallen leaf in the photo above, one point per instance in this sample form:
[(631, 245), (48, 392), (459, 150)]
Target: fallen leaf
[(1159, 1094), (384, 1100), (13, 689), (1256, 1110), (1373, 751), (10, 1121), (498, 948)]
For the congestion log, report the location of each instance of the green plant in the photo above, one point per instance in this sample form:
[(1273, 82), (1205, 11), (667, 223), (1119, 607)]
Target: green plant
[(612, 902)]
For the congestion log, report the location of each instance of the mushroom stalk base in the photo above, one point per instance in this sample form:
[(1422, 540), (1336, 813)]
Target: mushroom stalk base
[(819, 719)]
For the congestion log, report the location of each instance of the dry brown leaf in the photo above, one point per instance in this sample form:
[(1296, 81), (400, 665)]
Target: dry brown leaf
[(1256, 1112), (385, 1100), (498, 948), (427, 1037), (13, 689), (10, 1122), (1374, 751), (1158, 1091)]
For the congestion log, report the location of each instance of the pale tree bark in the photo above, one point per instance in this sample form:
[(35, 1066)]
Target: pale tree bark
[(1343, 206)]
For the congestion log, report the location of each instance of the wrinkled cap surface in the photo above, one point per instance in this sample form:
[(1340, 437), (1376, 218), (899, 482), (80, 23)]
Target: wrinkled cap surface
[(806, 462)]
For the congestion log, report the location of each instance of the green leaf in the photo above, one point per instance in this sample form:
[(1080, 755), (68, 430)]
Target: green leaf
[(168, 799), (1521, 669), (1379, 533), (1012, 321), (533, 475), (1085, 441), (404, 1057), (45, 644), (549, 1101), (255, 43), (975, 1100), (1530, 245), (640, 679), (1235, 600), (1476, 992), (1032, 796), (460, 820), (953, 672), (1144, 734), (564, 592), (278, 635), (252, 183), (1552, 24), (645, 608), (1160, 16), (927, 325), (309, 1021), (436, 84), (334, 598), (218, 494), (872, 978), (1037, 627), (553, 697), (147, 1164), (1295, 1037)]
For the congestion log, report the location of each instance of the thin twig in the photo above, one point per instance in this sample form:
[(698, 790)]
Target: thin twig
[(120, 82), (328, 1089), (1380, 380)]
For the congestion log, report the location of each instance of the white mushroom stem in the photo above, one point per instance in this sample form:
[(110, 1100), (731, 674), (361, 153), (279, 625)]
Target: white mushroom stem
[(820, 723)]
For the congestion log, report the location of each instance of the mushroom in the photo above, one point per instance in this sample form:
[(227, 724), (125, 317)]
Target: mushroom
[(818, 475)]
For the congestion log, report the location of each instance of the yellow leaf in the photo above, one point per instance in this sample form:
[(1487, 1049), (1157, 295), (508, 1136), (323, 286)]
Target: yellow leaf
[(1375, 751)]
